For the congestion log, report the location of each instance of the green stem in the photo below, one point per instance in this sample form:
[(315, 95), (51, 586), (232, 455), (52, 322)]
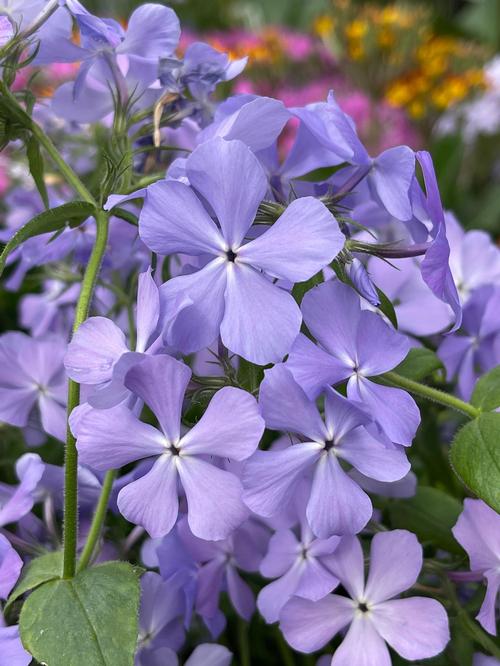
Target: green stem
[(430, 393), (243, 644), (70, 531), (97, 521), (286, 653)]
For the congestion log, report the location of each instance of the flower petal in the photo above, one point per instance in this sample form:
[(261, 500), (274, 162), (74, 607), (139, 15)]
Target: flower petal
[(229, 176), (382, 349), (111, 438), (231, 426), (274, 596), (395, 563), (152, 501), (240, 594), (153, 31), (391, 176), (261, 320), (173, 219), (487, 614), (308, 625), (286, 407), (270, 478), (148, 309), (372, 458), (304, 239), (337, 504), (161, 382), (416, 628), (94, 348), (215, 507), (347, 563), (362, 646)]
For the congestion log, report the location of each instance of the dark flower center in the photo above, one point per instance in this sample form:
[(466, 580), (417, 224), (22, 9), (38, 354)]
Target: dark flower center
[(362, 607), (329, 444), (230, 255), (174, 450)]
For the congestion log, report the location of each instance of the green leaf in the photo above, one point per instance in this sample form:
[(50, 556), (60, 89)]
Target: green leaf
[(35, 161), (38, 571), (418, 364), (249, 375), (89, 619), (387, 308), (430, 514), (49, 220), (486, 394), (301, 288), (475, 457)]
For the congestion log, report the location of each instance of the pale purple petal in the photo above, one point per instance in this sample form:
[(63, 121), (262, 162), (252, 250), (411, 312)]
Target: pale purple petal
[(161, 382), (362, 646), (195, 326), (16, 404), (283, 551), (111, 438), (270, 478), (337, 504), (231, 426), (233, 182), (173, 219), (395, 564), (395, 410), (347, 564), (286, 407), (153, 31), (371, 457), (391, 176), (151, 501), (94, 349), (53, 417), (487, 614), (274, 596), (478, 532), (308, 625), (10, 567), (240, 594), (215, 507), (29, 469), (416, 628), (261, 320), (12, 652), (316, 580), (148, 309), (382, 349), (342, 415), (210, 654), (313, 368), (304, 239)]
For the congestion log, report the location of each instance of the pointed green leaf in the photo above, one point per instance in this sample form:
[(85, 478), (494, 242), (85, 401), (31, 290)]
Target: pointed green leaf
[(301, 288), (38, 571), (35, 161), (475, 457), (486, 395), (88, 619), (387, 308), (49, 220)]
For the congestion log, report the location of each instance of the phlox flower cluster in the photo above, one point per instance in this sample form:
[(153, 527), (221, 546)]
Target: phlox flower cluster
[(234, 371)]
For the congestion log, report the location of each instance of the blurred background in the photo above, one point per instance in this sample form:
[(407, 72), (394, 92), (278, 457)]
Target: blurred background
[(417, 72)]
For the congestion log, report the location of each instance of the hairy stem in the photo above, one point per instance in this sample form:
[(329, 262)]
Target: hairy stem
[(97, 521), (70, 531), (429, 393)]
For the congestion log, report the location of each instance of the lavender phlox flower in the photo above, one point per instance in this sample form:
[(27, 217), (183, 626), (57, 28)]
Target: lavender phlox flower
[(354, 345), (415, 627), (17, 501), (335, 503), (231, 427), (234, 294), (32, 381)]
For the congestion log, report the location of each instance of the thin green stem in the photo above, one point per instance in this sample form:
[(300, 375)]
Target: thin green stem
[(70, 531), (286, 653), (243, 643), (429, 393), (97, 521)]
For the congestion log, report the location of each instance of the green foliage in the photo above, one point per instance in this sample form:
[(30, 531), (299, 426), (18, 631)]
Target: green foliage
[(88, 619), (40, 570), (387, 308), (475, 457), (301, 288), (35, 161), (430, 514), (73, 213), (419, 363), (486, 395)]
